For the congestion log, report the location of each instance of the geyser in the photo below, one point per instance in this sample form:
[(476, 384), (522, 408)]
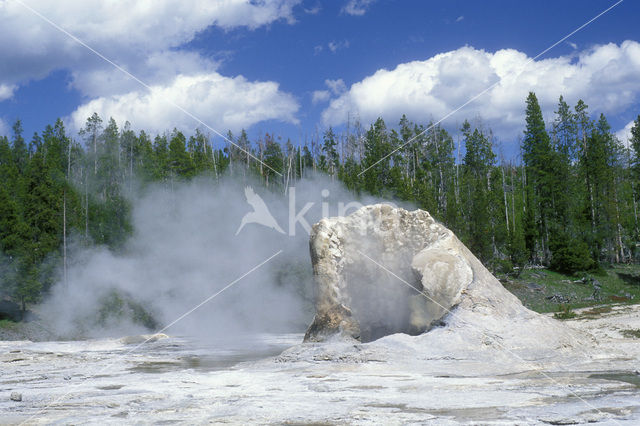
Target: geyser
[(385, 270), (382, 271)]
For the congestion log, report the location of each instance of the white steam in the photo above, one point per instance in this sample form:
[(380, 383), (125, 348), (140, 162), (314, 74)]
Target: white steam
[(185, 249)]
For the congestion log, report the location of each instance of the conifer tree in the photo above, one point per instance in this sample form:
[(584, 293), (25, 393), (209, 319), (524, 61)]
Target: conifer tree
[(478, 160), (539, 161)]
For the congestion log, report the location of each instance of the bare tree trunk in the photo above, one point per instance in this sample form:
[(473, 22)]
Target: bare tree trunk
[(300, 160), (524, 185), (504, 193), (64, 218), (131, 167), (619, 248), (458, 174), (441, 198), (86, 207), (513, 203), (64, 237), (635, 209), (262, 160), (213, 158), (95, 152), (286, 185)]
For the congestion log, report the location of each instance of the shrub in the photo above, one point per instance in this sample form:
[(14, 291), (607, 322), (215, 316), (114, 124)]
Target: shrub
[(570, 257), (503, 266), (565, 312)]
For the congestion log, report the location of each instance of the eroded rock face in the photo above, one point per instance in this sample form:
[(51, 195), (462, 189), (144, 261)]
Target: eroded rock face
[(374, 268), (385, 270)]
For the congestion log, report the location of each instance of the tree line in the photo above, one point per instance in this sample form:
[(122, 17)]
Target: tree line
[(568, 202)]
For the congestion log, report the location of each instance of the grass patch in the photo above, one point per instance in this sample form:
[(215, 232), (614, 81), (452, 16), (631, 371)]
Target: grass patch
[(5, 323), (595, 312), (565, 313), (631, 333), (542, 290)]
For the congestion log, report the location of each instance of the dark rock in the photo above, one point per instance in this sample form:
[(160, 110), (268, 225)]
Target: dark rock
[(534, 286), (558, 298), (16, 396)]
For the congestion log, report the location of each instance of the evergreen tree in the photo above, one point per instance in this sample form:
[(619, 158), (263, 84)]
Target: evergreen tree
[(273, 158), (91, 132), (478, 160), (180, 163), (376, 160), (330, 152), (634, 142), (564, 138), (160, 158), (540, 161), (20, 151)]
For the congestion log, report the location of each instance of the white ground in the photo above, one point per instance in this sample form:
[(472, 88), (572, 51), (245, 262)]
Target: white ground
[(390, 381)]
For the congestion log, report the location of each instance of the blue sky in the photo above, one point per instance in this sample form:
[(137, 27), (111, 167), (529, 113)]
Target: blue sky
[(294, 67)]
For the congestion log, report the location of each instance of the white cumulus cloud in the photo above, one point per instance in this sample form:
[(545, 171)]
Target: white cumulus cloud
[(624, 134), (606, 77), (127, 32), (6, 91), (336, 87), (223, 103)]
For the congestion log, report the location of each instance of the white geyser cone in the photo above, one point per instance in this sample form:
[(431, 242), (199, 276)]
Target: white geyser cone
[(383, 270)]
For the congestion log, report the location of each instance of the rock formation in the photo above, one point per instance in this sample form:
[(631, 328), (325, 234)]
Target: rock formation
[(385, 270)]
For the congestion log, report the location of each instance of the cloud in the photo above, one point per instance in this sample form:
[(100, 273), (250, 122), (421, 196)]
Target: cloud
[(155, 69), (313, 10), (460, 18), (336, 87), (6, 91), (319, 96), (334, 46), (223, 103), (357, 7), (607, 77), (624, 134), (122, 31)]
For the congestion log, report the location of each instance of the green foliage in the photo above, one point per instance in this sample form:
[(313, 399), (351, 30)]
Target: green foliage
[(564, 312), (116, 306), (502, 266), (478, 160), (7, 324), (517, 250), (540, 161), (631, 333), (571, 256), (180, 163), (330, 152)]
